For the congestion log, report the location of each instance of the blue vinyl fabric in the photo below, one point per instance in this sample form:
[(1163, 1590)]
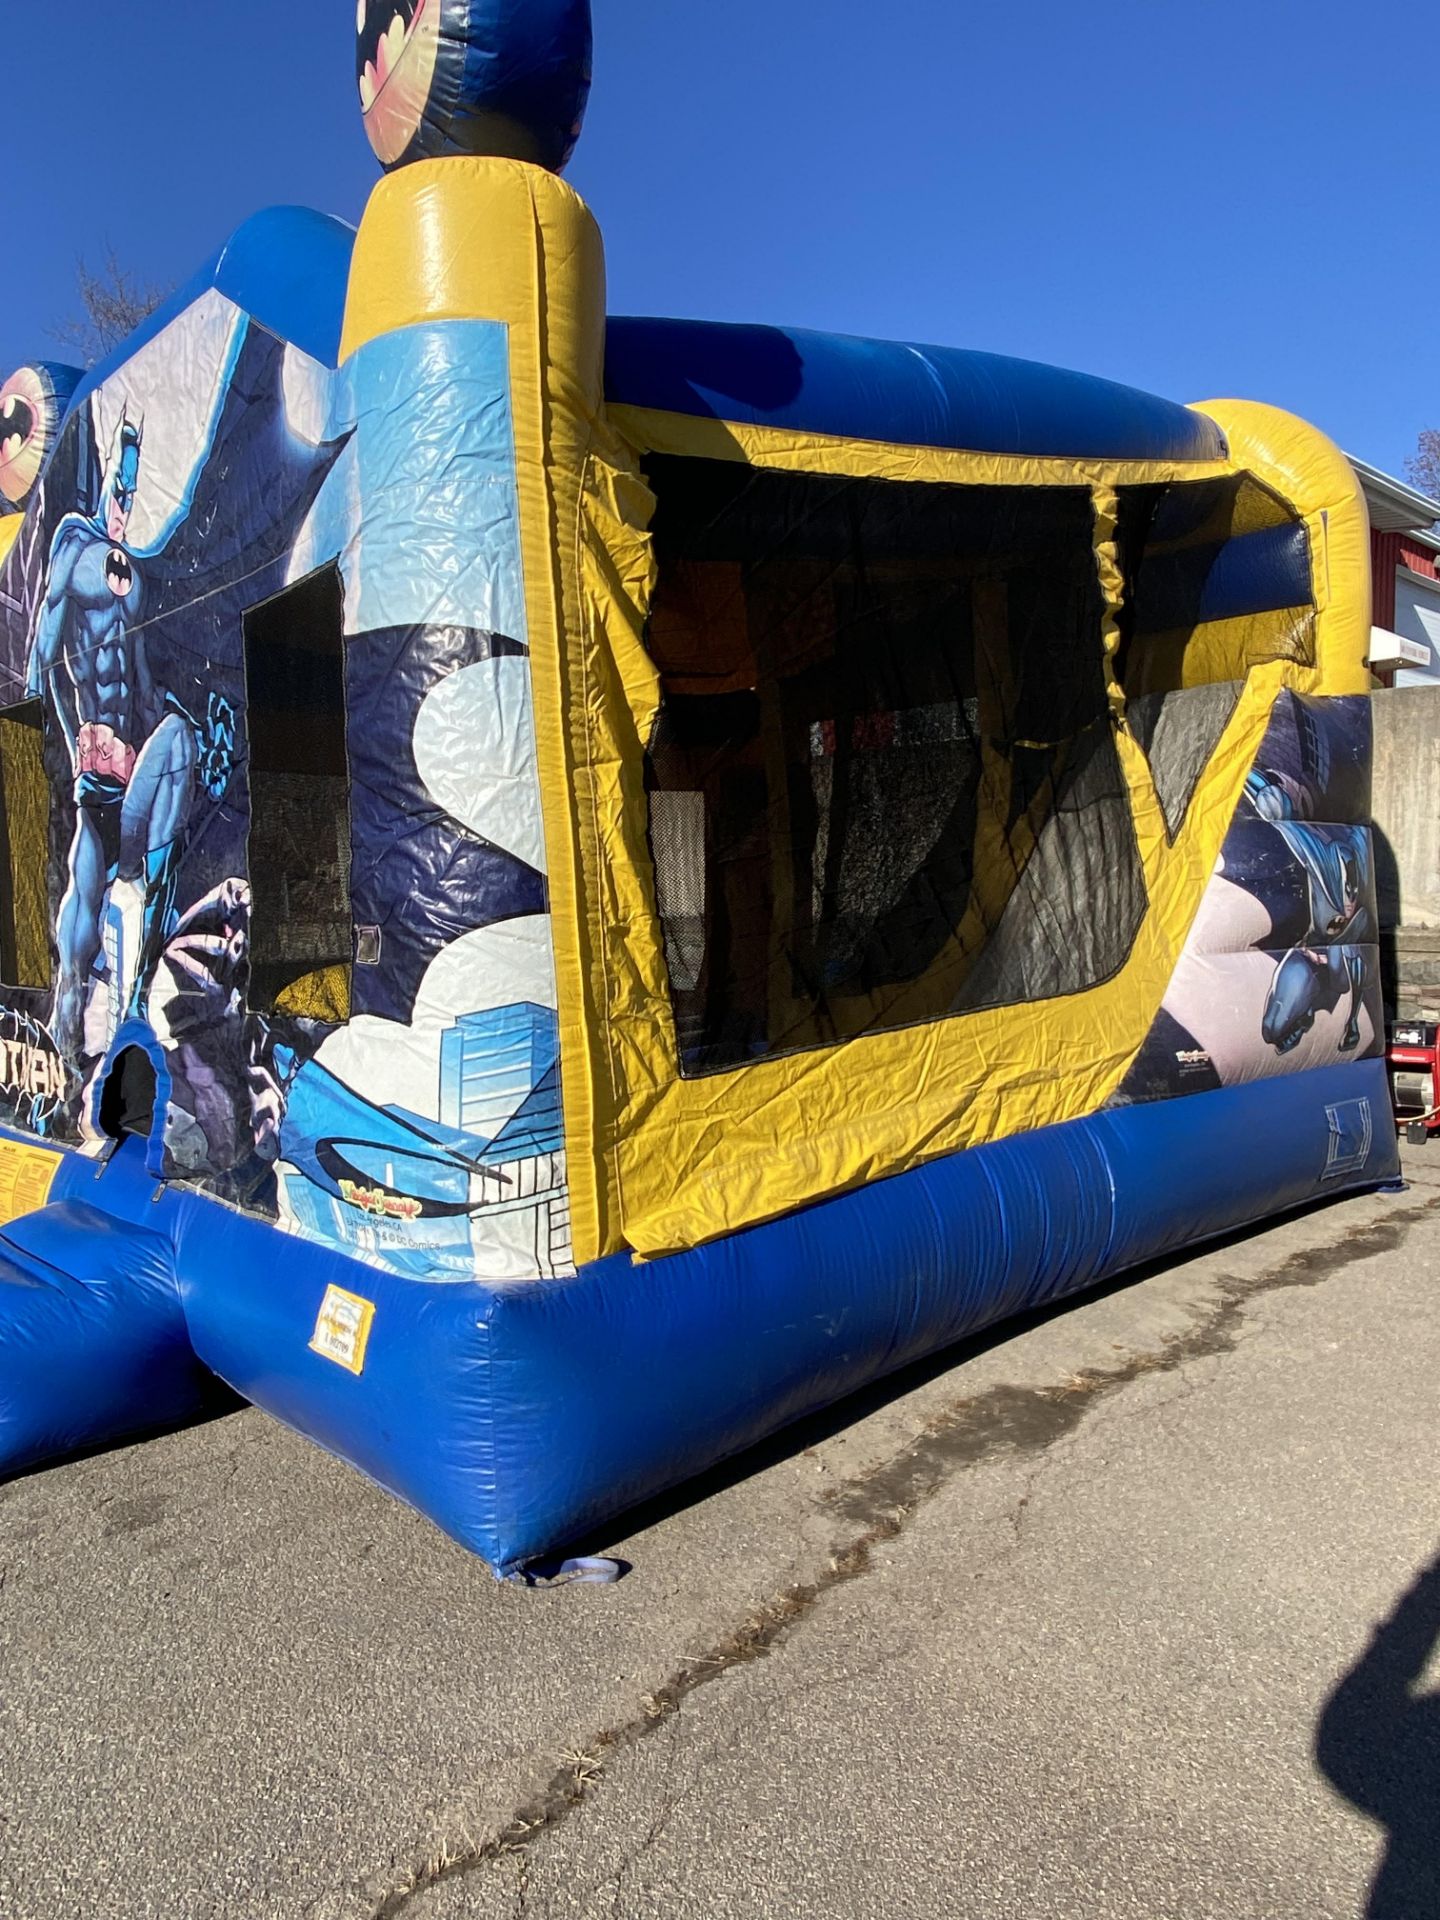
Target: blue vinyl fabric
[(1248, 574), (93, 1343), (288, 268), (521, 1417), (887, 390)]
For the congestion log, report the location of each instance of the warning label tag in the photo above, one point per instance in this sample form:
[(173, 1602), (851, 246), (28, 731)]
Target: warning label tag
[(26, 1177), (342, 1331)]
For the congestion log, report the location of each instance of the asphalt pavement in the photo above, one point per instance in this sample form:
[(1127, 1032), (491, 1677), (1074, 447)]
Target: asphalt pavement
[(1122, 1612)]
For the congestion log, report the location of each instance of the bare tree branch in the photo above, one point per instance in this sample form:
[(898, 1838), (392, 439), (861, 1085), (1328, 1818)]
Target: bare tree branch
[(113, 301), (1422, 469)]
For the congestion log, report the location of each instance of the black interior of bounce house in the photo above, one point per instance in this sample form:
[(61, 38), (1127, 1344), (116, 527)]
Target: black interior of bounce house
[(127, 1098), (298, 769), (883, 783)]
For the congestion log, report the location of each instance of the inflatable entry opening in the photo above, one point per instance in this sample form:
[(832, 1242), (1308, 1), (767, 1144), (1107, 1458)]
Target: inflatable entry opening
[(127, 1100)]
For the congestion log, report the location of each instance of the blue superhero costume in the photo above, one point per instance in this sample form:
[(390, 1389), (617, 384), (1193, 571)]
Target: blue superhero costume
[(138, 652), (1317, 975)]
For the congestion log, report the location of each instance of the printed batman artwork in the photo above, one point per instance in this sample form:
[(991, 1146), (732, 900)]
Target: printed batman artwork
[(32, 402), (396, 44), (301, 870), (1281, 969)]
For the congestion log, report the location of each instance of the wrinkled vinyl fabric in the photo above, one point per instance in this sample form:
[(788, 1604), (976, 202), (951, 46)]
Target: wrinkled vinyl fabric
[(93, 1342), (874, 801), (298, 858), (520, 1418)]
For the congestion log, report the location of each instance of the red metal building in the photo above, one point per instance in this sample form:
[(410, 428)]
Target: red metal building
[(1405, 558)]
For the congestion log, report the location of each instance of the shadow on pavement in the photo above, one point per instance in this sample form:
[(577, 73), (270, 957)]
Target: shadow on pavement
[(1378, 1744)]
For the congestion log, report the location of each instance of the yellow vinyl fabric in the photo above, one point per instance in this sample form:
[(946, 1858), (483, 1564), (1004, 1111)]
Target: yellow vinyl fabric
[(695, 1158), (323, 994), (658, 1162), (1317, 482)]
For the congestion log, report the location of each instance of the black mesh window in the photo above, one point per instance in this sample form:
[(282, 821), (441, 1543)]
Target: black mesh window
[(299, 800), (883, 783), (24, 848)]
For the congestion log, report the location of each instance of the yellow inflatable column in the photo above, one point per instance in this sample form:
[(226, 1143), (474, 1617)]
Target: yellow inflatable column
[(499, 240)]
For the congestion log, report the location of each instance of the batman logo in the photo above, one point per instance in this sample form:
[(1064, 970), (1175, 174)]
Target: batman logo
[(119, 574), (397, 47), (30, 409), (17, 423), (35, 1082), (374, 20)]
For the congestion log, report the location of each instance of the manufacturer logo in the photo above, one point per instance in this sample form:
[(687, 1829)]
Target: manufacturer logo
[(383, 1205)]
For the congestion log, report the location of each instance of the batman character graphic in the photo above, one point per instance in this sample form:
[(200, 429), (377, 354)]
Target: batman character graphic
[(1326, 970), (133, 750), (136, 654)]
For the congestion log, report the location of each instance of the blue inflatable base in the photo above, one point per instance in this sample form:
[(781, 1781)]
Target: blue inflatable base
[(521, 1417), (93, 1342)]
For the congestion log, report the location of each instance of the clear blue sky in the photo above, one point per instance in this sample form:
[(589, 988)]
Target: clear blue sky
[(1232, 197)]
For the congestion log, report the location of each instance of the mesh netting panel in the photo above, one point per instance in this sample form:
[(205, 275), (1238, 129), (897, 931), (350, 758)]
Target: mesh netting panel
[(878, 699), (299, 791), (24, 845)]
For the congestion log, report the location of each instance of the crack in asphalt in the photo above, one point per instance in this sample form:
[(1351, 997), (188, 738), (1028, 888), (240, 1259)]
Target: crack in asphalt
[(1003, 1420)]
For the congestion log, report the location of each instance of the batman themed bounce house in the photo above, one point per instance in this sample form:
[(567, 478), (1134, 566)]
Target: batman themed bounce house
[(573, 890)]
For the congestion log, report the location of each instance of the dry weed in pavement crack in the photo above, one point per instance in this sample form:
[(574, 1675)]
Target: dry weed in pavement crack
[(1003, 1419)]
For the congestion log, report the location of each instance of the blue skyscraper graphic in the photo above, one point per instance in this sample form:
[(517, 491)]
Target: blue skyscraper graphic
[(490, 1063)]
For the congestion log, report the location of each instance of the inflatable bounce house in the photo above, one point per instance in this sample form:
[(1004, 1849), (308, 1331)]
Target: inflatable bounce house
[(572, 890)]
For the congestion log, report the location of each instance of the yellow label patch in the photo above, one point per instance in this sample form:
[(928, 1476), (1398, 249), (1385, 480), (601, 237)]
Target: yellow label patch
[(26, 1177), (342, 1331)]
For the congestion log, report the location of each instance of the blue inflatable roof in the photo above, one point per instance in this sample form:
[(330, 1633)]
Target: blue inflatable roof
[(888, 390), (289, 267)]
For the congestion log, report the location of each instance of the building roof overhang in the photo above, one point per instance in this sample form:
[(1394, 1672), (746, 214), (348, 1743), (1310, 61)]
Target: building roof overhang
[(1395, 506)]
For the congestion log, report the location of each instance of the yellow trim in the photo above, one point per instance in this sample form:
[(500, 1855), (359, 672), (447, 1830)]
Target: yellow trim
[(680, 433), (10, 525), (1219, 650), (700, 1157), (456, 240), (696, 1158), (1112, 587)]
